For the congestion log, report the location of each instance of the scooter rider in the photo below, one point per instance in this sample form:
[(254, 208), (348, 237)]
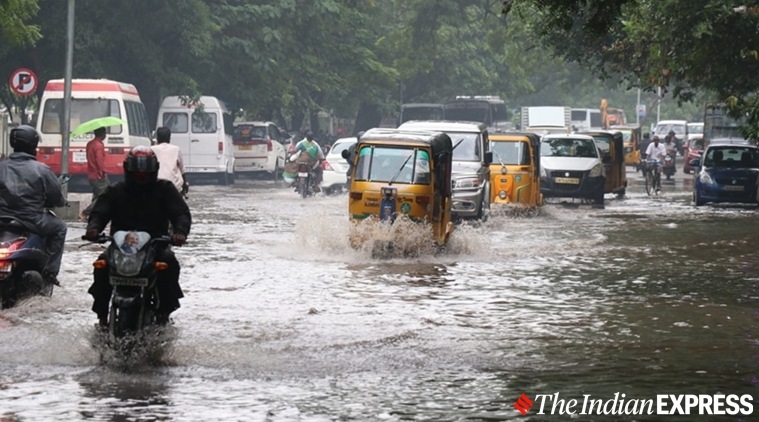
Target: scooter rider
[(313, 154), (141, 202), (28, 190)]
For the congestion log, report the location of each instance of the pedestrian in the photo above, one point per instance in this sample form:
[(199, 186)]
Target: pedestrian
[(28, 189), (96, 174), (171, 166)]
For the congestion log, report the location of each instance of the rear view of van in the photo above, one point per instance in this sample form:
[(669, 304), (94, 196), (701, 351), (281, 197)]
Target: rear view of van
[(204, 136)]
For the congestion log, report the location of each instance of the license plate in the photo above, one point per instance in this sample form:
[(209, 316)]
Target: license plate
[(246, 147), (128, 281), (80, 156), (567, 180), (734, 188), (302, 174)]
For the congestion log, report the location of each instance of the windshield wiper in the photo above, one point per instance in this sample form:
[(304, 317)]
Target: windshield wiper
[(398, 173), (498, 157), (457, 143)]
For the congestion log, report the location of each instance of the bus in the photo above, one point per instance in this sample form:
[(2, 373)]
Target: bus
[(91, 98), (488, 109)]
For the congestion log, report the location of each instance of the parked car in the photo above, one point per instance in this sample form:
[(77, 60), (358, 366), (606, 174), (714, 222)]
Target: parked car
[(258, 148), (571, 166), (693, 150), (727, 172), (335, 167)]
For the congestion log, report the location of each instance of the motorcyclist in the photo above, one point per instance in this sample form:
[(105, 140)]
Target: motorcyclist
[(309, 150), (141, 202), (28, 190)]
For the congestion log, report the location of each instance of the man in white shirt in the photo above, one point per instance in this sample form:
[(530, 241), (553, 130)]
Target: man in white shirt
[(171, 166), (656, 151)]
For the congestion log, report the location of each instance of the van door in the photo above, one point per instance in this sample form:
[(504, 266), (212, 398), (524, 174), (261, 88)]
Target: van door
[(206, 138), (178, 122)]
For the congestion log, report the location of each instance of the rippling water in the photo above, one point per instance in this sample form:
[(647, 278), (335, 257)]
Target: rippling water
[(283, 320)]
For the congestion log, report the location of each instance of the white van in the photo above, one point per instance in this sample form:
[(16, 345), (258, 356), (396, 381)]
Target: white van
[(586, 119), (205, 137)]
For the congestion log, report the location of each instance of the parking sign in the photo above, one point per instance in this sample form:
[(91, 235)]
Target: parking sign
[(23, 81)]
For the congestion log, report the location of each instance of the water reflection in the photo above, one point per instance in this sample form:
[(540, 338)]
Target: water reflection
[(120, 397)]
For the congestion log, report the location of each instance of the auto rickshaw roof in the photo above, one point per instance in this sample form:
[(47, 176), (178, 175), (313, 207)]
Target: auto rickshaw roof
[(438, 141)]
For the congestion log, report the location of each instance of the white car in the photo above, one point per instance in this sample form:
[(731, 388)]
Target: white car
[(258, 148), (335, 167), (571, 166)]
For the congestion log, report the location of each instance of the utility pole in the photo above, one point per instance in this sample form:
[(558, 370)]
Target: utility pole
[(65, 129)]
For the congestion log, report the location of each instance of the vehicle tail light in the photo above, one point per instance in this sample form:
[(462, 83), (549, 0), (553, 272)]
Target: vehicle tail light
[(46, 150), (357, 195), (116, 151), (221, 147), (327, 166), (302, 168), (268, 144), (100, 264), (423, 199), (6, 249)]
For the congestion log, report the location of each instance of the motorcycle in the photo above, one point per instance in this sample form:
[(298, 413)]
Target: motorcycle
[(306, 183), (132, 271), (669, 166), (22, 261)]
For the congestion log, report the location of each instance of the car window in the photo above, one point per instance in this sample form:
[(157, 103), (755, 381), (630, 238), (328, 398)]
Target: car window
[(664, 129), (204, 122), (732, 157), (176, 122), (248, 132), (568, 147), (695, 128), (466, 146)]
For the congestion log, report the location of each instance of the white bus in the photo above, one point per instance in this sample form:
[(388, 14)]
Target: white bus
[(91, 98)]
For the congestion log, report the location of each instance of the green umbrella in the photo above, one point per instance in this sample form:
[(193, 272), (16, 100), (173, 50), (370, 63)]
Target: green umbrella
[(91, 125)]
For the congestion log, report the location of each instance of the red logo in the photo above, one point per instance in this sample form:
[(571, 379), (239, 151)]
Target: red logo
[(523, 404)]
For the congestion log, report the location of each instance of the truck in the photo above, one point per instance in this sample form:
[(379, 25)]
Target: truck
[(547, 119)]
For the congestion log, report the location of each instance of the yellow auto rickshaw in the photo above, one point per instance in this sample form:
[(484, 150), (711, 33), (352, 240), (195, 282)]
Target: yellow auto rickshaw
[(400, 177), (515, 170), (631, 137), (611, 145)]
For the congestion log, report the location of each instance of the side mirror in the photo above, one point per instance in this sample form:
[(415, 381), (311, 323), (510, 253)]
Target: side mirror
[(345, 154), (488, 158), (695, 163)]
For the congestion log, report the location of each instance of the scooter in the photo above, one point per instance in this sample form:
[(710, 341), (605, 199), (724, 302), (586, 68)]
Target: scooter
[(669, 166), (22, 261), (133, 275)]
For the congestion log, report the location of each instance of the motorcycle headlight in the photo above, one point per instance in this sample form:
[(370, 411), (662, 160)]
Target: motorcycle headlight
[(466, 183), (597, 171), (502, 194), (705, 178), (128, 264)]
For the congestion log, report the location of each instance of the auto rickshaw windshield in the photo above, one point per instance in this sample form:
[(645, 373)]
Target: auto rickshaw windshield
[(511, 153), (392, 164)]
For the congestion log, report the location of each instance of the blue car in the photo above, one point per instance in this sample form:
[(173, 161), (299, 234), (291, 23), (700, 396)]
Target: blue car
[(727, 172)]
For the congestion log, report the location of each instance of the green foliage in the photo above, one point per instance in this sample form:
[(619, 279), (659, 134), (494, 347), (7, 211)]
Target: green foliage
[(14, 27)]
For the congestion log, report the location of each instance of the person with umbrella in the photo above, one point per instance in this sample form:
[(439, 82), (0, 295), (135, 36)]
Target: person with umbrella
[(96, 174)]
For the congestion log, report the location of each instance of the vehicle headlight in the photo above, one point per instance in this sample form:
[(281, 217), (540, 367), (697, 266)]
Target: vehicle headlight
[(705, 178), (502, 194), (597, 171), (466, 183)]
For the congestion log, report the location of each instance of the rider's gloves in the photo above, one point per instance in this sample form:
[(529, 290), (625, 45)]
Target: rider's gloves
[(91, 234), (178, 239), (185, 188)]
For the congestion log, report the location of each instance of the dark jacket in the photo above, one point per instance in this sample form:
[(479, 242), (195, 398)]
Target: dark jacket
[(27, 188), (142, 208)]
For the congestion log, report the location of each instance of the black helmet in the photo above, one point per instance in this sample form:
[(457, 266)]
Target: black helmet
[(25, 139), (141, 166), (309, 135)]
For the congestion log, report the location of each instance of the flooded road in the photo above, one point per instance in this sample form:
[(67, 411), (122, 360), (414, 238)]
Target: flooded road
[(282, 320)]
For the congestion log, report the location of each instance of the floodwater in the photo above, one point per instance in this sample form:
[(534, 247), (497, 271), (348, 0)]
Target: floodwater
[(283, 321)]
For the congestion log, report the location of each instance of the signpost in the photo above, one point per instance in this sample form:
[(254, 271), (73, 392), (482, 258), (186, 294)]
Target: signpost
[(23, 82)]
